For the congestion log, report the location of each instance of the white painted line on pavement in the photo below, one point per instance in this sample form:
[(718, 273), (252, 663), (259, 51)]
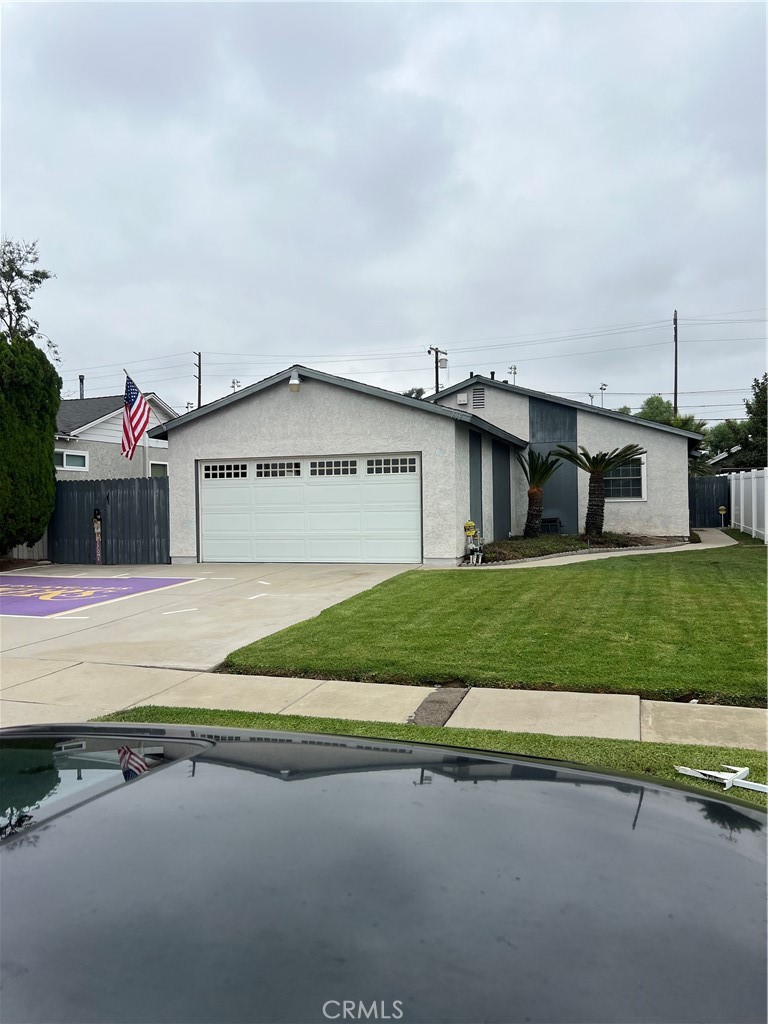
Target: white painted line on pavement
[(265, 582), (180, 610), (255, 596), (221, 577), (69, 616)]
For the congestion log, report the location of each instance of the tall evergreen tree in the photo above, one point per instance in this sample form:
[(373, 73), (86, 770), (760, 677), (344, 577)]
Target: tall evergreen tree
[(29, 401)]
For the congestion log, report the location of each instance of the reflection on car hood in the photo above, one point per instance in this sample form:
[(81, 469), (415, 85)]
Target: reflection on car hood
[(263, 876)]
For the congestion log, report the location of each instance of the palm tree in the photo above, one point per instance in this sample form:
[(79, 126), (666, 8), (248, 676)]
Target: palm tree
[(597, 466), (538, 469)]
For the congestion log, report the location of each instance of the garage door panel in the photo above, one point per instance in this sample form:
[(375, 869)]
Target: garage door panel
[(271, 493), (283, 521), (391, 549), (278, 548), (228, 549), (305, 518), (341, 522), (336, 493), (221, 522), (227, 496), (391, 521)]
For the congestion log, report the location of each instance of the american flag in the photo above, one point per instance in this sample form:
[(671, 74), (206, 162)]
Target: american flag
[(135, 418), (131, 763)]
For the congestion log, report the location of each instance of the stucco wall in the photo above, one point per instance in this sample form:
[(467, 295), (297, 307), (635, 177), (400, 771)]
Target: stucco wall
[(665, 510), (505, 409), (462, 480), (320, 419), (105, 461)]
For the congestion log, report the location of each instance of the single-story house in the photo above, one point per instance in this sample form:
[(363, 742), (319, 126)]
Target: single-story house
[(309, 467), (89, 434)]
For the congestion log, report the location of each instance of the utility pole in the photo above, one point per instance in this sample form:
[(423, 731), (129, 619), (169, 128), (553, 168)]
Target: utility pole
[(190, 406), (674, 321), (235, 384), (199, 376), (602, 395), (438, 363), (513, 371), (591, 398)]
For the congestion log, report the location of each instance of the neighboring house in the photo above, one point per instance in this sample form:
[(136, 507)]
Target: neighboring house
[(89, 433), (732, 461), (308, 467)]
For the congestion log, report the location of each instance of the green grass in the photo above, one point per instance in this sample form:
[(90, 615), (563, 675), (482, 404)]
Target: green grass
[(743, 538), (664, 626), (629, 756)]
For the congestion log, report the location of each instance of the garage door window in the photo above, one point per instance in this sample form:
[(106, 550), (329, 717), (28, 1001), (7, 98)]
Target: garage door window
[(274, 469), (333, 467), (394, 465), (225, 470)]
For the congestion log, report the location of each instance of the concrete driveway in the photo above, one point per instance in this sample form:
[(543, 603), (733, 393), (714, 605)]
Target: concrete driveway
[(192, 627)]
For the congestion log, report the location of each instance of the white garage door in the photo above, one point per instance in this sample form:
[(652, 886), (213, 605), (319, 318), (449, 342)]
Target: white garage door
[(364, 508)]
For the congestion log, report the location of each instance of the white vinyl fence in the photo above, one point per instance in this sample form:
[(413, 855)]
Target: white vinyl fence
[(748, 501)]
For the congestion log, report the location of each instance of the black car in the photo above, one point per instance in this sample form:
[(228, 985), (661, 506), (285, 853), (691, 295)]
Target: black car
[(153, 874)]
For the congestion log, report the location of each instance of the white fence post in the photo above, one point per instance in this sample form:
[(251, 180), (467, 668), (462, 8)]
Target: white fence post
[(753, 495), (741, 501)]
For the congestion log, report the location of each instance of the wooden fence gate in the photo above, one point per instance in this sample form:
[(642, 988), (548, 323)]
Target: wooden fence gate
[(132, 517)]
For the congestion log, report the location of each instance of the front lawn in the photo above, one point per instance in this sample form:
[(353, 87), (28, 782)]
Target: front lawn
[(664, 626), (631, 756)]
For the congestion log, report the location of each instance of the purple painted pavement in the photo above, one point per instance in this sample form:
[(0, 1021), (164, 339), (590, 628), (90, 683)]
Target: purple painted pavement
[(51, 595)]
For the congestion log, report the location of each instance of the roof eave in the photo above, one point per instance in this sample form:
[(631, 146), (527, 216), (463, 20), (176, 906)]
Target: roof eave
[(610, 413)]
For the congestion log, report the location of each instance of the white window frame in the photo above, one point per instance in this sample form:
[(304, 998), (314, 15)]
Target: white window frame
[(64, 452), (153, 463), (643, 485)]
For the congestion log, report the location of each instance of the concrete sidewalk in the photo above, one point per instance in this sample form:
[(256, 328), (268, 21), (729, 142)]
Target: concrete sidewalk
[(33, 691)]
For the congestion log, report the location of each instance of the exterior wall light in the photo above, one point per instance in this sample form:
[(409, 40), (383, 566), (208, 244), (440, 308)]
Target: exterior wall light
[(294, 383)]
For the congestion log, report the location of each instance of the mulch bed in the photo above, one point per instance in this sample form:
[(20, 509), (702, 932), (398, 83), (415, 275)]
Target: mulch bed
[(6, 564)]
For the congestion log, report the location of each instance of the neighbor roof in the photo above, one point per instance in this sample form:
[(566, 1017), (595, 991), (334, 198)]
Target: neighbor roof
[(77, 413), (343, 382), (502, 386)]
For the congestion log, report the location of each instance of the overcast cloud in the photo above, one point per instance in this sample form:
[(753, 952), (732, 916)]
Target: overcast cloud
[(344, 185)]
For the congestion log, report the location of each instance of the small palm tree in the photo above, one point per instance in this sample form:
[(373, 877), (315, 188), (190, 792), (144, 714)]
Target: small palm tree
[(597, 466), (538, 469)]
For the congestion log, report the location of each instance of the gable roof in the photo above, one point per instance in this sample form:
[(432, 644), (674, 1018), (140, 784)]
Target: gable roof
[(75, 414), (626, 417), (343, 382)]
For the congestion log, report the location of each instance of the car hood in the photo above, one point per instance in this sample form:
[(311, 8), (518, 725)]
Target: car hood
[(264, 876)]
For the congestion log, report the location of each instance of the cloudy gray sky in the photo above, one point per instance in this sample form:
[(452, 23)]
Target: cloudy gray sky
[(343, 185)]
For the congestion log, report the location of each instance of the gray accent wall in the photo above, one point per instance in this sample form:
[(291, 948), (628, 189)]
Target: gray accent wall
[(502, 498), (551, 424)]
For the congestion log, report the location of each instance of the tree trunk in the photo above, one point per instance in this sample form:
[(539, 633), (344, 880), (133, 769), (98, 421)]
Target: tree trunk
[(535, 509), (595, 505)]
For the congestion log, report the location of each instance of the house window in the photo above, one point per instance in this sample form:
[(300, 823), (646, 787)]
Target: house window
[(627, 483), (158, 469), (478, 398), (271, 469), (70, 460), (333, 467), (225, 471), (391, 465)]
